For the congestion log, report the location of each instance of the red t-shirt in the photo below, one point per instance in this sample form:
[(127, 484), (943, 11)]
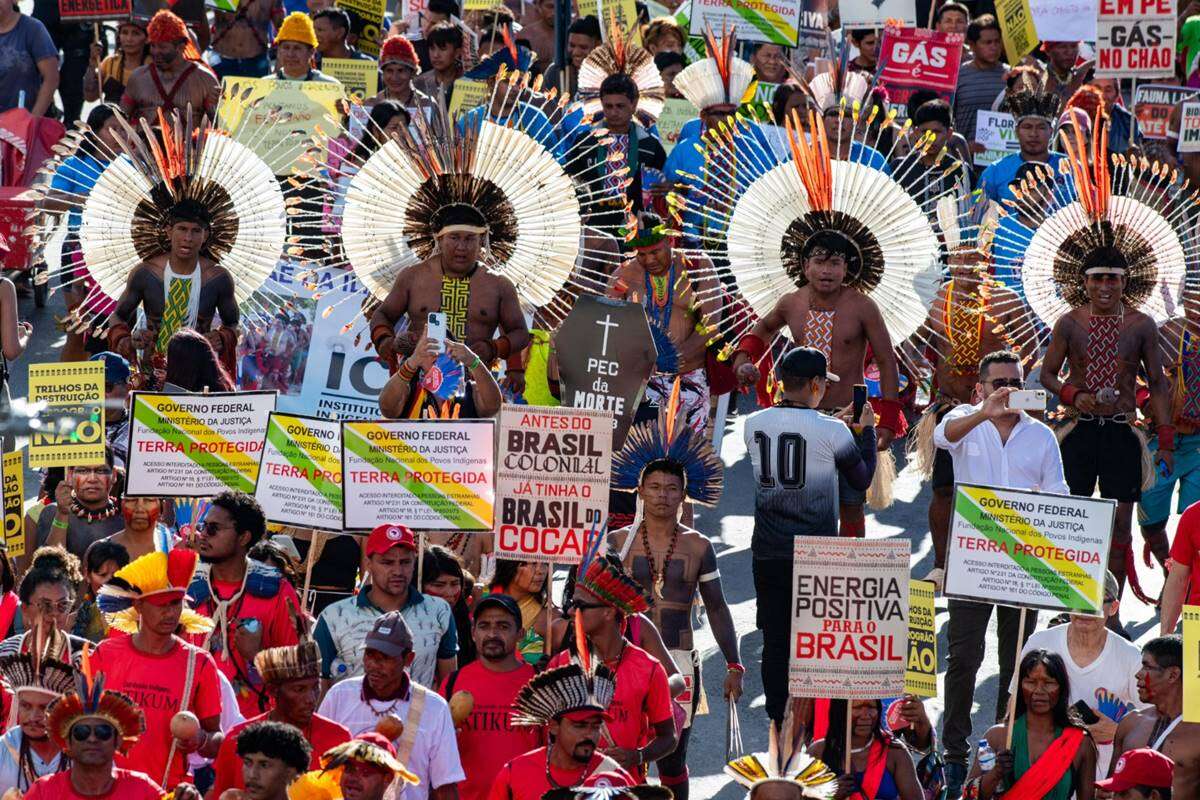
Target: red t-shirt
[(524, 778), (155, 683), (127, 786), (278, 630), (487, 739), (1185, 550), (321, 733)]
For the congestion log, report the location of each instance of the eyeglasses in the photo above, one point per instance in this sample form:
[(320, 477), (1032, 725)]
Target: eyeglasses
[(209, 528), (102, 730), (581, 605), (46, 607), (1005, 383)]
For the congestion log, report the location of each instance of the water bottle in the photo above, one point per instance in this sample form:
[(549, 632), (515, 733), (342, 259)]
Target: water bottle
[(986, 756)]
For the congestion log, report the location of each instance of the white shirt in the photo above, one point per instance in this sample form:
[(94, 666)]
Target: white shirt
[(1030, 459), (1107, 685), (434, 758), (10, 766)]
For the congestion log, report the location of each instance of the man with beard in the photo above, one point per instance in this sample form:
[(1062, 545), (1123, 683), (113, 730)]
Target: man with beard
[(84, 509), (272, 755), (571, 704), (386, 699), (1161, 727), (369, 767), (26, 751), (292, 678), (253, 606), (487, 738), (175, 78), (142, 534)]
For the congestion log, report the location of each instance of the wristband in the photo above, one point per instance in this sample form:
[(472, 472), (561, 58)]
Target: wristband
[(406, 372), (57, 523), (891, 416), (734, 666), (1166, 437), (501, 346), (380, 332), (753, 346), (474, 364), (1068, 393)]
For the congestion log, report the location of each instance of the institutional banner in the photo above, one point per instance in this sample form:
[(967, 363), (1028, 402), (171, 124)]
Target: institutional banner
[(1153, 104), (1016, 28), (359, 77), (849, 617), (1191, 663), (93, 10), (552, 475), (73, 392), (1135, 38), (920, 677), (916, 58), (774, 21), (1029, 549), (877, 13), (997, 132), (300, 473), (196, 445), (12, 475), (366, 21), (428, 474), (249, 105)]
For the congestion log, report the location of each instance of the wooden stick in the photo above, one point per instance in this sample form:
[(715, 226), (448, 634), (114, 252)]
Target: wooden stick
[(96, 32), (1012, 698), (849, 726), (549, 639), (314, 537)]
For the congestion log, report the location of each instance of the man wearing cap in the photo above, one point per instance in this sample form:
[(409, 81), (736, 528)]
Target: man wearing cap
[(391, 554), (484, 692), (175, 78), (116, 414), (291, 676), (1142, 774), (295, 44), (799, 456), (385, 699), (369, 769)]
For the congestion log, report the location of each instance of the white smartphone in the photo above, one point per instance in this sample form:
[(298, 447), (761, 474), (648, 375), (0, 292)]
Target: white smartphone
[(1028, 399), (436, 329)]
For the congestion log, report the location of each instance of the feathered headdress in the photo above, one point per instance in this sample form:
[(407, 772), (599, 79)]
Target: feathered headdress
[(965, 222), (612, 586), (670, 440), (1029, 96), (509, 58), (721, 79), (154, 574), (27, 672), (643, 791), (90, 699), (620, 55), (290, 663), (368, 748), (563, 690), (783, 762), (836, 89)]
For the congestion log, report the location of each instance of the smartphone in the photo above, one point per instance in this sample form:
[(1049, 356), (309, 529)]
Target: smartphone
[(1085, 713), (1028, 399), (436, 329), (860, 400)]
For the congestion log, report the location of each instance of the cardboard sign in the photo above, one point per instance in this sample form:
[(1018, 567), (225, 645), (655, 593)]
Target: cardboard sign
[(366, 22), (814, 27), (876, 13), (1153, 105), (12, 475), (74, 394), (915, 58), (93, 10), (1016, 28), (552, 475), (996, 131), (777, 22), (300, 473), (624, 11), (1135, 39), (1191, 663), (1189, 128), (429, 474), (467, 94), (1029, 549), (849, 618), (359, 78), (606, 355), (196, 445), (1064, 20), (307, 102), (675, 114), (920, 676)]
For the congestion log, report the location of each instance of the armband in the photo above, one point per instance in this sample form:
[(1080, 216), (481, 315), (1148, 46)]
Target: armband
[(380, 332), (753, 346), (1067, 393), (1166, 437), (891, 416)]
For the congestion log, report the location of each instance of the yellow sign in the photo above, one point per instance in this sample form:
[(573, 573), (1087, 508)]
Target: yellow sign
[(248, 106), (466, 95), (477, 5), (14, 503), (603, 10), (360, 78), (920, 677), (1191, 663), (366, 20), (74, 394), (1016, 28)]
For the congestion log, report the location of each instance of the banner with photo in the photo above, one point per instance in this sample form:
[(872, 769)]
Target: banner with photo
[(248, 107), (300, 473), (73, 392), (1153, 104)]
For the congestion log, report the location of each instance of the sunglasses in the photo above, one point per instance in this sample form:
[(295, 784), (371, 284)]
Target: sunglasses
[(1004, 383), (102, 730), (580, 605)]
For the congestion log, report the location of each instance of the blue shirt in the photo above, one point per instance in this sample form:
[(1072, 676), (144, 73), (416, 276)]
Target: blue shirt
[(20, 51), (529, 120), (77, 175), (995, 179), (1008, 249)]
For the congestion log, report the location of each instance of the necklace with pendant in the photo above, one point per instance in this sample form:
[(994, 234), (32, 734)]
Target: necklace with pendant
[(88, 515), (658, 576)]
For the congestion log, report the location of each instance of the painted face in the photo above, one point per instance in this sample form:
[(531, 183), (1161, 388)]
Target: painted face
[(141, 513)]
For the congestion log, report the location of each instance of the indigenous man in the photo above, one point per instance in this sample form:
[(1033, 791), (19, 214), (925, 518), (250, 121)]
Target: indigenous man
[(272, 755), (142, 534), (26, 750), (1161, 727), (175, 79), (677, 562), (84, 509), (369, 767)]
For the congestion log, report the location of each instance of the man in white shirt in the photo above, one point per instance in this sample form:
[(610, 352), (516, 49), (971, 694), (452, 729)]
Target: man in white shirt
[(426, 743), (993, 445), (1102, 667)]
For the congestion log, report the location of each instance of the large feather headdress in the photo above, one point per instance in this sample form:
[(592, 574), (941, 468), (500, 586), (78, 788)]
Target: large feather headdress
[(91, 699), (27, 672), (368, 748), (147, 576), (564, 690), (721, 79), (785, 763), (620, 55)]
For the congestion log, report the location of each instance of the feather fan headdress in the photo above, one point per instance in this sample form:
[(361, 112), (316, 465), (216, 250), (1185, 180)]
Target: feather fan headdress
[(643, 791), (154, 574), (721, 79), (27, 672), (966, 223), (563, 690), (620, 55), (368, 748), (785, 763), (91, 700), (612, 586), (838, 89)]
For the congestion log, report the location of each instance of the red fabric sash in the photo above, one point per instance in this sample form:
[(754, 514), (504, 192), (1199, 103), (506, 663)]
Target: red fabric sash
[(1045, 773), (876, 765), (8, 610)]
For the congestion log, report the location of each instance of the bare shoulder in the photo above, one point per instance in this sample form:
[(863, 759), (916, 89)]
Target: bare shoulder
[(1142, 323), (498, 279), (693, 539)]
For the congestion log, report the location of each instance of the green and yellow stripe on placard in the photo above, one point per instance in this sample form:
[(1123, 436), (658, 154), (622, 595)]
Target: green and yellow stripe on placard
[(235, 470), (1058, 576), (298, 450), (769, 23)]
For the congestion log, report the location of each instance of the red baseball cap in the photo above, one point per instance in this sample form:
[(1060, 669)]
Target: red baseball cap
[(385, 537), (1141, 767)]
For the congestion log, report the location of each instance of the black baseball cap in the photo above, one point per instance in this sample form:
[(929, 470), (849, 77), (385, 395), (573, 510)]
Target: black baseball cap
[(501, 601), (802, 363)]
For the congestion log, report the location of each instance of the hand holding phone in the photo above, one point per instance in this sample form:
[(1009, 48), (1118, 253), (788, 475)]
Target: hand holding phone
[(435, 329)]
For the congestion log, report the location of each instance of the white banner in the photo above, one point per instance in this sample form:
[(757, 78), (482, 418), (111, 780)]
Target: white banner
[(1135, 39), (1189, 128), (874, 13), (1064, 20), (300, 474)]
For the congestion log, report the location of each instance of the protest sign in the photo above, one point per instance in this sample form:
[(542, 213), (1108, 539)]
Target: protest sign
[(915, 58), (307, 102), (1191, 663), (624, 11), (432, 474), (552, 475), (300, 473), (93, 10), (13, 478), (606, 354), (849, 617), (145, 9), (675, 114), (1029, 549), (1064, 20), (814, 27), (1152, 105), (1016, 28), (876, 13), (1135, 39), (467, 94), (196, 445), (73, 392), (1189, 128), (920, 676), (276, 327), (997, 132), (776, 22), (359, 77), (366, 22)]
